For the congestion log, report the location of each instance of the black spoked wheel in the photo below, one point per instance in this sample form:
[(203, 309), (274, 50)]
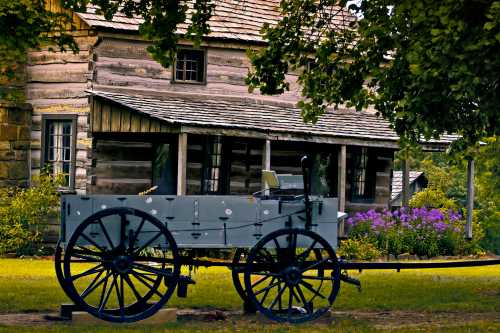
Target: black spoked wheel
[(292, 275), (121, 265)]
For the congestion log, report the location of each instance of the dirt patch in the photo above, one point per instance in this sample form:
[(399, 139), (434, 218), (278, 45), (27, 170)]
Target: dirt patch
[(399, 319), (29, 319), (378, 319)]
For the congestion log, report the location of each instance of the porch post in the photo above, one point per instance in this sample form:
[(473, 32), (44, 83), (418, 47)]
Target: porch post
[(341, 185), (470, 198), (341, 177), (406, 182), (181, 164), (266, 162)]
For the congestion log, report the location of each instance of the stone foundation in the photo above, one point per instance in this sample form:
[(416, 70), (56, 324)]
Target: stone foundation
[(15, 127)]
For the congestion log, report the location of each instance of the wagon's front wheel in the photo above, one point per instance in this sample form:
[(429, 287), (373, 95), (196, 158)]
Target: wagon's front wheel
[(121, 265), (292, 275)]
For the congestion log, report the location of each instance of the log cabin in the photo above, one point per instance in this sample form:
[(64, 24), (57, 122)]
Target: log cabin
[(115, 121)]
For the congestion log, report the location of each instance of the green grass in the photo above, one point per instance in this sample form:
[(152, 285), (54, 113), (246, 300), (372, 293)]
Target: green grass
[(31, 286)]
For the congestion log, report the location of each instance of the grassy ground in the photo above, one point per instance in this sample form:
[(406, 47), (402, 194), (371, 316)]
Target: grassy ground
[(31, 286)]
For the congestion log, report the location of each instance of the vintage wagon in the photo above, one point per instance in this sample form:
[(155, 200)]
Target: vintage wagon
[(120, 258), (123, 254)]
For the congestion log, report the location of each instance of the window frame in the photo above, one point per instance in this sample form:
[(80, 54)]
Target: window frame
[(224, 160), (370, 180), (204, 72), (46, 118)]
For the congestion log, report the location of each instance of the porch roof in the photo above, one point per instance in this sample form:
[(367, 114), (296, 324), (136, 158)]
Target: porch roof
[(277, 121)]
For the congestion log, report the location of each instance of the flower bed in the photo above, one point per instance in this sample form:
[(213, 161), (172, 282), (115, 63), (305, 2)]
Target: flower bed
[(418, 231)]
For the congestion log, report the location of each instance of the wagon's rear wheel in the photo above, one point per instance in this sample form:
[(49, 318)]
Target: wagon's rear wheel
[(292, 275), (121, 265)]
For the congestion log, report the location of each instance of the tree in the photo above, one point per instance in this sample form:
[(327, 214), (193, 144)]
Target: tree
[(27, 24), (429, 67)]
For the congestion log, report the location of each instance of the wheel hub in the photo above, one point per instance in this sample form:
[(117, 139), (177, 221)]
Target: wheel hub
[(122, 264), (292, 275)]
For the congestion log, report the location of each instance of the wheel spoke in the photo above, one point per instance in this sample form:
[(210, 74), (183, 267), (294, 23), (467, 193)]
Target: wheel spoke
[(105, 232), (302, 297), (123, 223), (152, 269), (151, 288), (317, 263), (90, 271), (136, 233), (260, 281), (103, 293), (119, 294), (149, 242), (91, 241), (292, 246), (104, 301), (146, 276), (278, 297), (311, 289), (84, 257), (134, 290), (290, 303), (303, 256), (267, 292), (270, 286), (292, 291), (86, 251), (90, 289)]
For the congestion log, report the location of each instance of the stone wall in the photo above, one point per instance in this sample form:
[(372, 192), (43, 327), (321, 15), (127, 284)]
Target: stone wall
[(15, 127)]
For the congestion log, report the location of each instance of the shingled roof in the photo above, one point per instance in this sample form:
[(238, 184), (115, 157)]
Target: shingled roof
[(257, 116), (239, 20), (397, 182)]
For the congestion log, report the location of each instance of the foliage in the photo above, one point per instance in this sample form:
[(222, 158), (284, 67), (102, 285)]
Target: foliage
[(420, 231), (448, 174), (25, 25), (24, 213), (359, 249), (429, 67), (432, 198)]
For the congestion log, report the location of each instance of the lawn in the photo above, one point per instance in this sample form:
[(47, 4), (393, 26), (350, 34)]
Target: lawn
[(31, 286)]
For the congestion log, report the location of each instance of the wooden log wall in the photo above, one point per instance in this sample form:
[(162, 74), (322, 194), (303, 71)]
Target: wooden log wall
[(195, 160), (246, 166), (56, 84), (125, 64), (121, 167)]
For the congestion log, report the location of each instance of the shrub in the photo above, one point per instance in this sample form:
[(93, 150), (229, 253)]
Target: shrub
[(432, 198), (359, 249), (420, 231), (25, 213)]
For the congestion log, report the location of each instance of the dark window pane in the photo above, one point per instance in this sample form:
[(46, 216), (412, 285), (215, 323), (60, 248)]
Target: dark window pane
[(189, 65)]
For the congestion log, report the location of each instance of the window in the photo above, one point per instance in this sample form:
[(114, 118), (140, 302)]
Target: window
[(58, 147), (362, 176), (212, 180), (190, 66)]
